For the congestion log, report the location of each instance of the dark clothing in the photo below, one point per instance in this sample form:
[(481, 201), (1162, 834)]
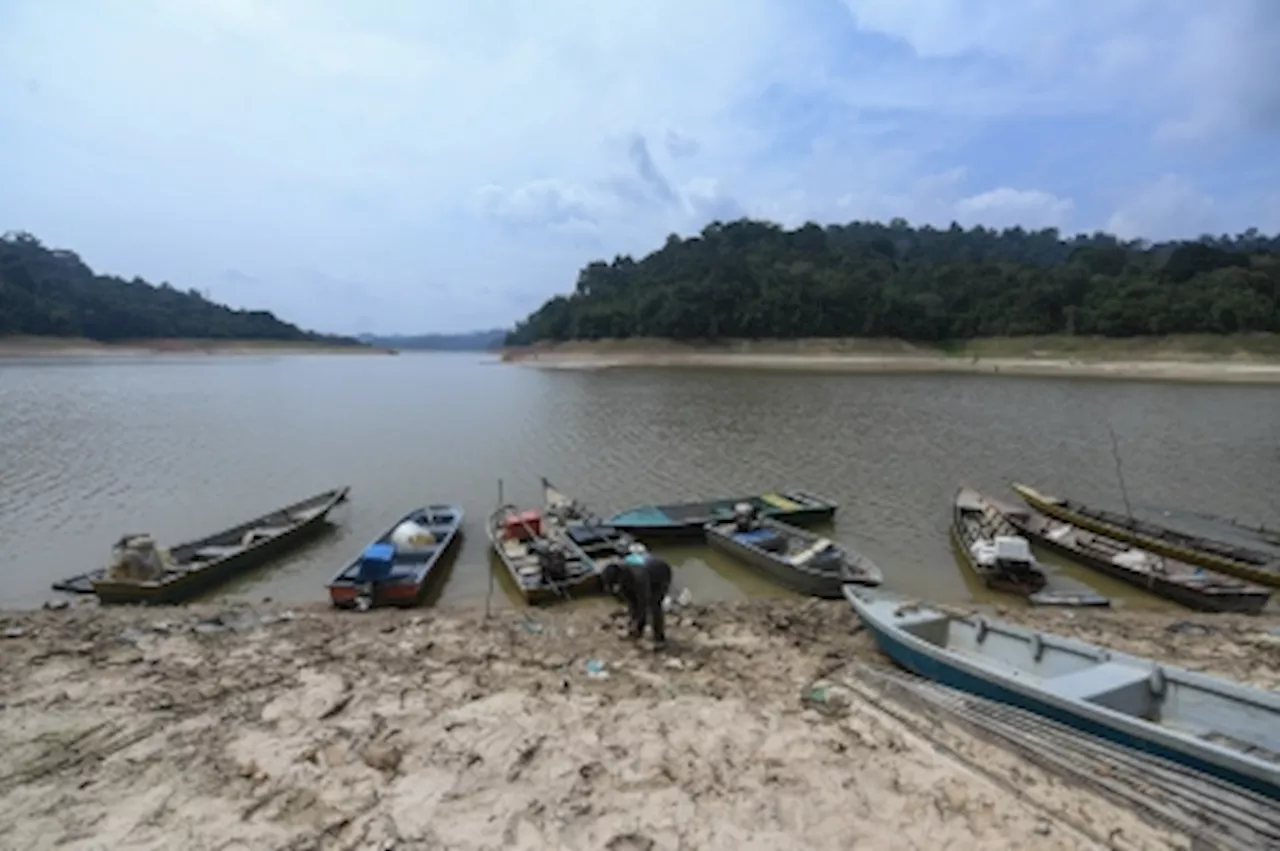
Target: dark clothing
[(643, 582)]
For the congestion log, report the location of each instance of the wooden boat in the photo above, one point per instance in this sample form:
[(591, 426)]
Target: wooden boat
[(992, 548), (557, 552), (689, 519), (397, 567), (187, 569), (1207, 723), (1191, 585), (794, 558), (1251, 563)]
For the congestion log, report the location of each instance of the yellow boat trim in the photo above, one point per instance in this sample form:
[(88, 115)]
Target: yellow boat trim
[(779, 501), (1241, 570)]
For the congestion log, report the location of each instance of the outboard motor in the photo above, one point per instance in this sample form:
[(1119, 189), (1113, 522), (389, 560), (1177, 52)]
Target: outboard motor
[(744, 516), (553, 562)]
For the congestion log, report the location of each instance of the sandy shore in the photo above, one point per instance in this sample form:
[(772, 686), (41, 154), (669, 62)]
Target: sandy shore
[(1148, 363), (25, 347), (262, 727)]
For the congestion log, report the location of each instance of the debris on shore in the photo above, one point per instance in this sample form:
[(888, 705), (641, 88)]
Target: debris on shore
[(305, 728)]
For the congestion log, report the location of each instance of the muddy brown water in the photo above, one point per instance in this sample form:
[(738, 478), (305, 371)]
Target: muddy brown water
[(183, 446)]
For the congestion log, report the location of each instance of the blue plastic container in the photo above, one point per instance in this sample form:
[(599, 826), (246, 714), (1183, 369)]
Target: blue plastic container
[(376, 562)]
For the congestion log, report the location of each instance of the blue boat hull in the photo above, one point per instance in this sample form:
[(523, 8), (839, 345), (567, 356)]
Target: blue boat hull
[(939, 671)]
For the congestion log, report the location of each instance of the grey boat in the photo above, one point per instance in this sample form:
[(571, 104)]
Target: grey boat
[(794, 558), (1207, 723)]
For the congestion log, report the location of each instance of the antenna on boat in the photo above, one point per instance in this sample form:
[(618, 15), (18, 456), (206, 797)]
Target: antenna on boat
[(489, 594), (1115, 454)]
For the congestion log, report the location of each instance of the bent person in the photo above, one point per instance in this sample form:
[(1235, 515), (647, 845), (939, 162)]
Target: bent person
[(643, 581)]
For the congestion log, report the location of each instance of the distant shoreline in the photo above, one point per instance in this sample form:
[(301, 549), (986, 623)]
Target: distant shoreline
[(1247, 360), (17, 347)]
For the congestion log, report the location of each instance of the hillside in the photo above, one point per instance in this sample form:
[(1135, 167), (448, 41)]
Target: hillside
[(473, 341), (754, 280), (48, 292)]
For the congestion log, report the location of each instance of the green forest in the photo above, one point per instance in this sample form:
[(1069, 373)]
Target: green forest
[(751, 280), (51, 292)]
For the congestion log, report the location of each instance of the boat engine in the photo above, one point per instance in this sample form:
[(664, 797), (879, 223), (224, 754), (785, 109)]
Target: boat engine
[(136, 558), (553, 562)]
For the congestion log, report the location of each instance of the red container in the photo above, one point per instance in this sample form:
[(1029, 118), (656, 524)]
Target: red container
[(522, 526)]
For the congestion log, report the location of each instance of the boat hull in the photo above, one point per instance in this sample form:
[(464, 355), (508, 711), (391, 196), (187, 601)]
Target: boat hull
[(1034, 587), (404, 591), (1153, 543), (584, 560), (687, 521), (1235, 603), (827, 586), (937, 665), (207, 576)]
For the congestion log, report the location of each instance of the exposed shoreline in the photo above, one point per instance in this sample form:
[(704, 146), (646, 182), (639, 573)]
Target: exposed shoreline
[(1168, 360), (265, 726), (24, 347)]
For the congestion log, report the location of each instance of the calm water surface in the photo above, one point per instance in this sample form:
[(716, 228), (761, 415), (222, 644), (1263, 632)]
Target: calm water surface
[(182, 447)]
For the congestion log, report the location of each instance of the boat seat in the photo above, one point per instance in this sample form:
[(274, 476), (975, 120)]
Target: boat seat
[(305, 514), (1125, 688), (214, 552)]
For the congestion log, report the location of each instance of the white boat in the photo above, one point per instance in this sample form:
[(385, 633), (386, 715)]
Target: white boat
[(1207, 723)]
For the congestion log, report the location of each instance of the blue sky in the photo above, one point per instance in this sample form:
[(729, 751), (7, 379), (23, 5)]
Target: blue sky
[(431, 166)]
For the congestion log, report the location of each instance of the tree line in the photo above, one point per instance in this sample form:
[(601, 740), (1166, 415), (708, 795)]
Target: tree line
[(51, 292), (751, 279)]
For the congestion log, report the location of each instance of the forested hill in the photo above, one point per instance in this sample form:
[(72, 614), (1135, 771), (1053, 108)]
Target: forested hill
[(751, 279), (51, 292), (473, 341)]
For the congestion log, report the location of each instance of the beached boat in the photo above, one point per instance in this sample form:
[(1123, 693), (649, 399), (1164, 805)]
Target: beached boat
[(1207, 723), (1252, 563), (557, 552), (141, 572), (398, 566), (992, 548), (1193, 586), (794, 558), (689, 519)]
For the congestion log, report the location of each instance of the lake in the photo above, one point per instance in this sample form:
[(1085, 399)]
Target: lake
[(181, 447)]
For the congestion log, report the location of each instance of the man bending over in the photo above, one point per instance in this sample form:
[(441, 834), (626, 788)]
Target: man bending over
[(643, 580)]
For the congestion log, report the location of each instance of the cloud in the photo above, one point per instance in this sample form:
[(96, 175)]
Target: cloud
[(1169, 208), (1005, 207), (484, 151), (680, 145)]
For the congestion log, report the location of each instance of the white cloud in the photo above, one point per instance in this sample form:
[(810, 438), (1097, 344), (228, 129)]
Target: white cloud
[(1005, 207), (543, 202), (1204, 68), (1169, 208)]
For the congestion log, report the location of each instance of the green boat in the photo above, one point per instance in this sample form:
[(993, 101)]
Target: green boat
[(689, 519), (141, 572)]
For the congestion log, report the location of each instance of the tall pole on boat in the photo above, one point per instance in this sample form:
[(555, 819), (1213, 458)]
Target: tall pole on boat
[(1115, 454), (489, 594)]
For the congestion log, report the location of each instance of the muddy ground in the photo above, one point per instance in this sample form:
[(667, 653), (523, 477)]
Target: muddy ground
[(265, 727)]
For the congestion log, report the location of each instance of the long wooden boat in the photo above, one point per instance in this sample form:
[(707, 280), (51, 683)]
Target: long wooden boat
[(558, 552), (1191, 585), (398, 566), (689, 519), (1249, 563), (992, 548), (1207, 723), (187, 569), (794, 558)]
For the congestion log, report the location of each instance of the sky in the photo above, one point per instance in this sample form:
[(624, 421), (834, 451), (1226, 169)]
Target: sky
[(430, 166)]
